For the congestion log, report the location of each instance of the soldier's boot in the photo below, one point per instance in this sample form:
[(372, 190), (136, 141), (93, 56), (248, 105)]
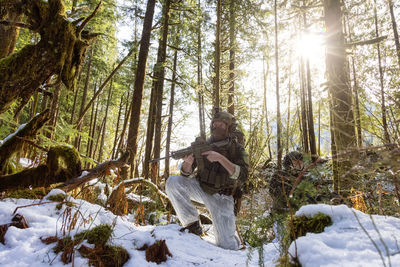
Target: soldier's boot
[(194, 228)]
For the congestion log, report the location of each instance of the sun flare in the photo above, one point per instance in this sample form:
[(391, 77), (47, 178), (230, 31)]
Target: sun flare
[(310, 46)]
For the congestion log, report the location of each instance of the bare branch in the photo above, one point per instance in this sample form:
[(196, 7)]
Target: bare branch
[(366, 42), (80, 28)]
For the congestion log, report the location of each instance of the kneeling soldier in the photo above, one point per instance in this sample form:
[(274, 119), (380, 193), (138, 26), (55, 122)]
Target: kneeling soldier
[(225, 169)]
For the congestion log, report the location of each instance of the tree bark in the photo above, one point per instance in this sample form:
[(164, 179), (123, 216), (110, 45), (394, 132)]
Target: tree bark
[(100, 159), (113, 152), (303, 104), (139, 84), (278, 111), (386, 136), (343, 130), (9, 33), (200, 93), (356, 96), (265, 106), (160, 91), (171, 115), (54, 108), (154, 121), (232, 48), (217, 61), (310, 117), (83, 100), (395, 32), (60, 51)]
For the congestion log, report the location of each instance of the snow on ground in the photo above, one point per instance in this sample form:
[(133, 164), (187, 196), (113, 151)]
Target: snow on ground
[(342, 244)]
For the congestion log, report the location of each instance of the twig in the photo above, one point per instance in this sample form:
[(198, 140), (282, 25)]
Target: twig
[(370, 238), (32, 143), (300, 176), (80, 28), (35, 204), (381, 239)]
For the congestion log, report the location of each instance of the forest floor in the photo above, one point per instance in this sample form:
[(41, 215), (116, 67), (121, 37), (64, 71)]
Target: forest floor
[(354, 239)]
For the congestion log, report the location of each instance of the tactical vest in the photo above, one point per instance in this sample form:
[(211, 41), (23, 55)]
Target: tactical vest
[(214, 177)]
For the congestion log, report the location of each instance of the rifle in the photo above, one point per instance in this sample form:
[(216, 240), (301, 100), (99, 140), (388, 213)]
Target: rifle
[(196, 148)]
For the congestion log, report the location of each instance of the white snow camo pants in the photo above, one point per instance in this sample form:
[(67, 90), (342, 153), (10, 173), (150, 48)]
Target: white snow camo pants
[(181, 190)]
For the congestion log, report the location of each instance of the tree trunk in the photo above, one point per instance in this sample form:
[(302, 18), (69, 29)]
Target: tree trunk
[(159, 73), (217, 61), (139, 84), (288, 106), (342, 130), (278, 111), (232, 48), (54, 108), (355, 95), (109, 98), (319, 127), (113, 152), (127, 115), (151, 119), (386, 136), (200, 76), (265, 106), (303, 107), (92, 134), (395, 32), (310, 117), (84, 96), (171, 115)]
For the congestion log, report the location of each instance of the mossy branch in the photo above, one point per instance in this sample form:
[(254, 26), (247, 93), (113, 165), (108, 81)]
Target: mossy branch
[(98, 171)]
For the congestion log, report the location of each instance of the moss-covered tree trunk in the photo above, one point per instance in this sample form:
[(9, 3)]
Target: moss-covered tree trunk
[(9, 33), (60, 51)]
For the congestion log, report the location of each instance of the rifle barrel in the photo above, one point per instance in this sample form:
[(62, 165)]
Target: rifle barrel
[(158, 159)]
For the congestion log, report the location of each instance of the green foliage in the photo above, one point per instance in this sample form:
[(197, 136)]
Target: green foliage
[(7, 124), (259, 230)]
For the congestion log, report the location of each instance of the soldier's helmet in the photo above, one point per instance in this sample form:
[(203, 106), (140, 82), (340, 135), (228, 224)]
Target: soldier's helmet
[(225, 117), (290, 157)]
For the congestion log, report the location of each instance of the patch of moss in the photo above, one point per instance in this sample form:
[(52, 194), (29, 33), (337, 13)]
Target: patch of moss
[(63, 243), (114, 256), (98, 235), (58, 197), (287, 261), (64, 155), (303, 224), (37, 193)]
